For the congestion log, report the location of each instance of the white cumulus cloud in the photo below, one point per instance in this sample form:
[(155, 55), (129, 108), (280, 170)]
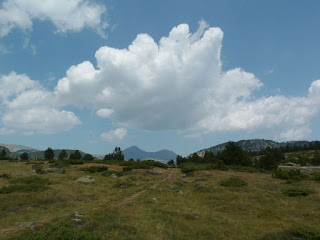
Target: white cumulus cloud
[(27, 106), (65, 15), (179, 84), (114, 135)]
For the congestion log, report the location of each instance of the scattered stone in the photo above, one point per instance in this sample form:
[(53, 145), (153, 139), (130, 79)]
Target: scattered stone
[(155, 171), (76, 214), (183, 175), (77, 220), (180, 192), (155, 200), (87, 180), (25, 224), (113, 175)]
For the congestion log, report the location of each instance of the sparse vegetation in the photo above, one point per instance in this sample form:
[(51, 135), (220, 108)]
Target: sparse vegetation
[(94, 169), (296, 192)]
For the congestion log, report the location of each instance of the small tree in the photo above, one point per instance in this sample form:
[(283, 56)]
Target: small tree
[(24, 156), (49, 154), (118, 155), (88, 157), (63, 155), (3, 154), (76, 155), (171, 162), (234, 155)]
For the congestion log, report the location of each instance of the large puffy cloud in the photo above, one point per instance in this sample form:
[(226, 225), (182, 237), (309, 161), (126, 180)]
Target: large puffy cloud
[(27, 106), (178, 84), (66, 15)]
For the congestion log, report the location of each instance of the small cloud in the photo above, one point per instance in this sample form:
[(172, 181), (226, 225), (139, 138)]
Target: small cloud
[(104, 112), (114, 135)]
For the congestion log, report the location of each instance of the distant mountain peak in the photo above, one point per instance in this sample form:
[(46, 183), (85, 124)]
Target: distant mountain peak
[(137, 153)]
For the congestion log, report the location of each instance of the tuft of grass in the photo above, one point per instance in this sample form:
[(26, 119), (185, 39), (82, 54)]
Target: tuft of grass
[(296, 192), (5, 176), (233, 182)]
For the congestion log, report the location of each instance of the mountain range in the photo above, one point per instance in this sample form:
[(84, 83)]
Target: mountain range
[(136, 153), (131, 152)]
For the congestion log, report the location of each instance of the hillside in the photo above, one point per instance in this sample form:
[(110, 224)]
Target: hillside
[(18, 148), (254, 145)]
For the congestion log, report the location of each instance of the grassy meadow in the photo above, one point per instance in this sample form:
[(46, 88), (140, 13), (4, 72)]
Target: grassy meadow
[(138, 205)]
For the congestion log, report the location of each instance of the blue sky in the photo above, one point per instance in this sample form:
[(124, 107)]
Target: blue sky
[(197, 73)]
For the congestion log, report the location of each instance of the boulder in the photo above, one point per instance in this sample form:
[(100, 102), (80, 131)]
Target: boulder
[(113, 175), (155, 171), (87, 180)]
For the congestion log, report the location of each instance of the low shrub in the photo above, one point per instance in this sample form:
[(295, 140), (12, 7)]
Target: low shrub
[(233, 182), (296, 192), (293, 174), (145, 164), (127, 169), (94, 169)]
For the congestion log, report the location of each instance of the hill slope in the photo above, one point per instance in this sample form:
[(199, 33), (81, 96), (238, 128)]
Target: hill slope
[(254, 145)]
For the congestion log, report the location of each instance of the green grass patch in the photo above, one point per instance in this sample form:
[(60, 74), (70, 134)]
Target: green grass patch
[(233, 182), (296, 192)]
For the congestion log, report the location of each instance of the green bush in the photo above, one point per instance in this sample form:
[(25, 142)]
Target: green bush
[(94, 169), (233, 182), (293, 174), (296, 192), (145, 164)]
